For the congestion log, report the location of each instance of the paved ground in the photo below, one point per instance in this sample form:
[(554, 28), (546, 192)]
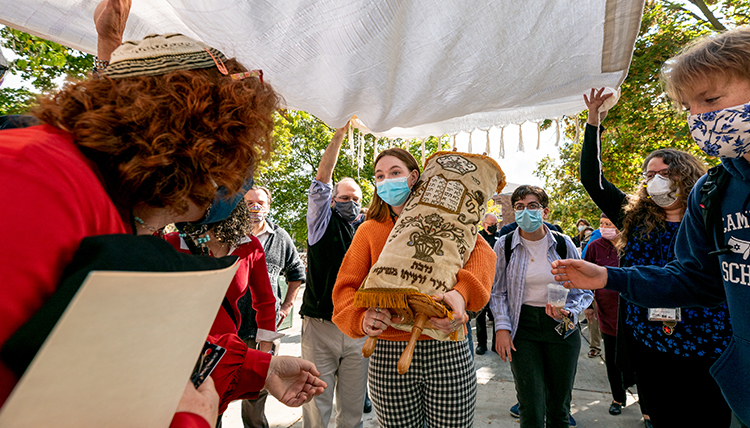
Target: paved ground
[(591, 396)]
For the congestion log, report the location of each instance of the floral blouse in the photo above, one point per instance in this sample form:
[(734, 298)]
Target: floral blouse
[(702, 333)]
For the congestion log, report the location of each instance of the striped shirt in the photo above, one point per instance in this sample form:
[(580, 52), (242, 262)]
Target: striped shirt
[(508, 288)]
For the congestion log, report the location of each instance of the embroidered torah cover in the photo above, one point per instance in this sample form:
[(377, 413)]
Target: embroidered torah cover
[(434, 236)]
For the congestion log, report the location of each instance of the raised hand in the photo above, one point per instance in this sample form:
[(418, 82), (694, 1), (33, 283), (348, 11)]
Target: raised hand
[(293, 381), (110, 18), (593, 102)]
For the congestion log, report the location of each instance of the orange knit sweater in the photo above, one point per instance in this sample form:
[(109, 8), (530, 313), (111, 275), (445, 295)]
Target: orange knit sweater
[(473, 281)]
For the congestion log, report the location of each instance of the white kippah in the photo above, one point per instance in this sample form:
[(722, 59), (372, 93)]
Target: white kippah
[(158, 54)]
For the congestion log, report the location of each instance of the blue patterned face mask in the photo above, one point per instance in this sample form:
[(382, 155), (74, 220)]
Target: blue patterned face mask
[(724, 132), (394, 191), (529, 220)]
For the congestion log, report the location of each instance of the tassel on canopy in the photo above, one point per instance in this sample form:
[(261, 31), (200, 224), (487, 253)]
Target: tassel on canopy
[(557, 132), (538, 134), (351, 144), (487, 145), (520, 137), (470, 150), (361, 151), (502, 142), (424, 154)]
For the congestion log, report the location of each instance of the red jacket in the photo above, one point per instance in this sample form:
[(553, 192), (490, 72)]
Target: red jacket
[(241, 373), (602, 252), (51, 198)]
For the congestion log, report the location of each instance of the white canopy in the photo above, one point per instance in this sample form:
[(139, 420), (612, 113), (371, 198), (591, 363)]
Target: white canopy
[(406, 68)]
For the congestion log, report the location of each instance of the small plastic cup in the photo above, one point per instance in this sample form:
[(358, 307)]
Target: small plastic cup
[(557, 295)]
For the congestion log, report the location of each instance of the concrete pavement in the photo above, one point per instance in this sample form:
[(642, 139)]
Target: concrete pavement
[(496, 394)]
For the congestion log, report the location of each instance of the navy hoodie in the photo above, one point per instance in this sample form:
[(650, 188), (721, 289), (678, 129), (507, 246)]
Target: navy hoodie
[(696, 278)]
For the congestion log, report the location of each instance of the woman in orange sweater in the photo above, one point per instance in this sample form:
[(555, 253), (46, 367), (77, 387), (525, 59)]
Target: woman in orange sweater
[(440, 388)]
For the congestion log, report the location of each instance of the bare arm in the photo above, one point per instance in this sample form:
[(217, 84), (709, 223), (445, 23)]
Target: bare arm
[(110, 18), (331, 155)]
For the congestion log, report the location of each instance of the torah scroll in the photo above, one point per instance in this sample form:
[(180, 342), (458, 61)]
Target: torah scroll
[(434, 236)]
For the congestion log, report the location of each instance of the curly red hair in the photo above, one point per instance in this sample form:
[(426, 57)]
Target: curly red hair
[(164, 140)]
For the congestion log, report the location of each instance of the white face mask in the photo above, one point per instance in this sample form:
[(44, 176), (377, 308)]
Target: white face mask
[(581, 227), (724, 132), (660, 191)]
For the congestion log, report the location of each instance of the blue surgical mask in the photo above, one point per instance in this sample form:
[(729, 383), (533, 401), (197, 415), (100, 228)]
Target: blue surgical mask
[(348, 210), (529, 220), (394, 191), (222, 206)]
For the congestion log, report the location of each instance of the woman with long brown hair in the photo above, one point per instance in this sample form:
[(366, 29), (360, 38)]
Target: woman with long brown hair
[(670, 349), (440, 387)]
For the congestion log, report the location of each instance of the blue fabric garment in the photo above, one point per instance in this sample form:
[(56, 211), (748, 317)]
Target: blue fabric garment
[(702, 332), (696, 278), (318, 210)]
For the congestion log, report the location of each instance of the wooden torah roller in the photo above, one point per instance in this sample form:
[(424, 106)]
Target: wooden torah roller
[(421, 309)]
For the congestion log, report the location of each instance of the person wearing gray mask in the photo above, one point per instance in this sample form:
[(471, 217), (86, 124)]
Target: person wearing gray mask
[(331, 213)]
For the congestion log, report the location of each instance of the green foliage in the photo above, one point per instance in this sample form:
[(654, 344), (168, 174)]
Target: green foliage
[(15, 101), (642, 121), (40, 61), (300, 141)]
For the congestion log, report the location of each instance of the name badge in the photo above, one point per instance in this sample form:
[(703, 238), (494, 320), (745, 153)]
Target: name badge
[(665, 314), (669, 317)]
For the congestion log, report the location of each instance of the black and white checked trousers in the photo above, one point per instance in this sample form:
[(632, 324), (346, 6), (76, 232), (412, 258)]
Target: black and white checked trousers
[(439, 390)]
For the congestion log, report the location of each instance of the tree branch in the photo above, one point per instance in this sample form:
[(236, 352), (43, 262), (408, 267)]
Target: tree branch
[(701, 4)]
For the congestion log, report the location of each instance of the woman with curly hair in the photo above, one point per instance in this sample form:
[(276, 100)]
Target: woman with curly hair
[(440, 388), (168, 132), (669, 349), (229, 237)]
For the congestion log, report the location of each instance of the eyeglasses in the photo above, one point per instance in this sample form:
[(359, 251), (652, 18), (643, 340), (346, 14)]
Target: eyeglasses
[(346, 198), (532, 206), (648, 175)]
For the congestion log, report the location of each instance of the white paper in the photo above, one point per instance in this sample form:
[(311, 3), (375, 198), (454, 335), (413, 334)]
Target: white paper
[(122, 352)]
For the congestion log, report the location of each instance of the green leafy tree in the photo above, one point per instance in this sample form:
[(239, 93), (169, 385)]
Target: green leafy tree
[(40, 63), (300, 140), (642, 121)]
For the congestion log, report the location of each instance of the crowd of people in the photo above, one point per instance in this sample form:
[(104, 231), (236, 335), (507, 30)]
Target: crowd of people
[(168, 131)]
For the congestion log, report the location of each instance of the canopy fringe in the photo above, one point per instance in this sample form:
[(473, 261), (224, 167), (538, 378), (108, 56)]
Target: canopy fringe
[(538, 135), (502, 142)]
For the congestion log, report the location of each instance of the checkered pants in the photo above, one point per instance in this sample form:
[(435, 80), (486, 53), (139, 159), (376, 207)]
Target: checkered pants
[(439, 390)]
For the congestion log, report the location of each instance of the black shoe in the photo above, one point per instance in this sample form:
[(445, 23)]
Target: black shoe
[(368, 405), (647, 423), (514, 411), (615, 409), (481, 349)]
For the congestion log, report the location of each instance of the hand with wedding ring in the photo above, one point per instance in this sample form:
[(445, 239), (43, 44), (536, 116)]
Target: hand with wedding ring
[(377, 320), (456, 301)]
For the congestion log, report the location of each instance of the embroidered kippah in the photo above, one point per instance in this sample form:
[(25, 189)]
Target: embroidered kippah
[(158, 54)]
